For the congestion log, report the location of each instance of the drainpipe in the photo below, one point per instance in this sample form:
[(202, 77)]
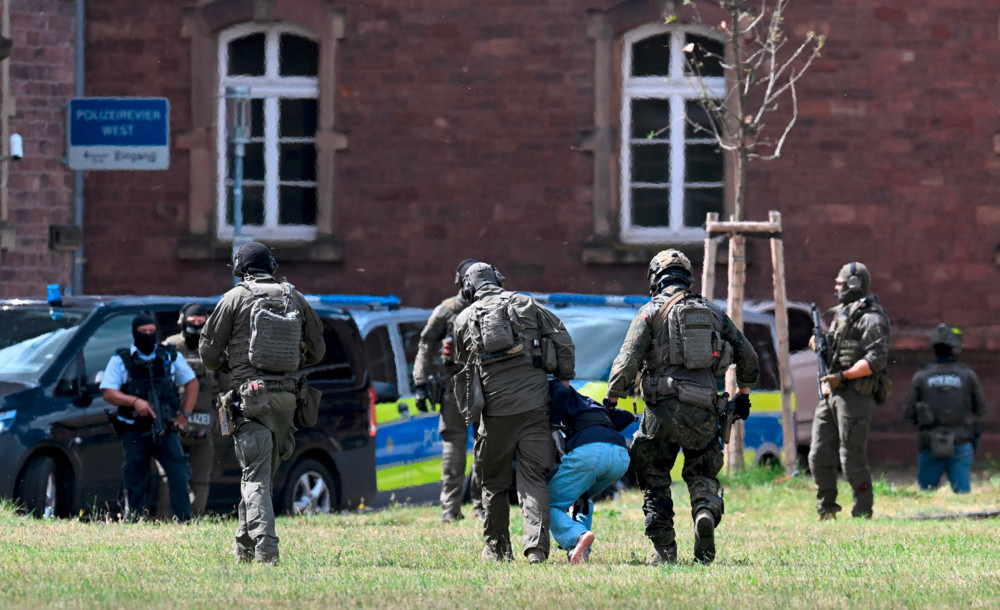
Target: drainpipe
[(78, 76)]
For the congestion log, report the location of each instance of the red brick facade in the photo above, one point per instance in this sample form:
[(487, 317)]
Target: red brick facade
[(39, 187), (462, 131)]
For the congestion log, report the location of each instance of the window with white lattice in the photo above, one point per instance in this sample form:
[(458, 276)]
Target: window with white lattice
[(672, 173)]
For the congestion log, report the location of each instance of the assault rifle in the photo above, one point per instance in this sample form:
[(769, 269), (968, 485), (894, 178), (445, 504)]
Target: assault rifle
[(820, 350), (163, 422)]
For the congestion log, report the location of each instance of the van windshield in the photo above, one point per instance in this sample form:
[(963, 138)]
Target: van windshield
[(31, 337)]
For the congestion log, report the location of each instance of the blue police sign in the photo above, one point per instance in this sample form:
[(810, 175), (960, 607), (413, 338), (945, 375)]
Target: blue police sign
[(119, 133)]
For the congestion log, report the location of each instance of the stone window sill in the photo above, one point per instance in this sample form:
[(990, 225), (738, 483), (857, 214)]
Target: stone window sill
[(607, 251), (323, 249)]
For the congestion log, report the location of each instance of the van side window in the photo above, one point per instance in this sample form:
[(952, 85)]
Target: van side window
[(381, 362), (336, 364), (114, 333), (759, 336), (410, 332)]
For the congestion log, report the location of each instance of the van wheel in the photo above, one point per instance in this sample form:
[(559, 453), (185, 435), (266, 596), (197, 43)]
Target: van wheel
[(39, 489), (310, 489)]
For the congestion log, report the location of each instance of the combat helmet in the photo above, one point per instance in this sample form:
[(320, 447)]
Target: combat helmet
[(479, 275), (669, 267), (853, 282), (462, 268), (950, 336), (253, 257)]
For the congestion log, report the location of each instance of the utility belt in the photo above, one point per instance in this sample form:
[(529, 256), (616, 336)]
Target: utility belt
[(655, 388), (249, 401)]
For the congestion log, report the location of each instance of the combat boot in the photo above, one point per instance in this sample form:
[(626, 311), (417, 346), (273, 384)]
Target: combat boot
[(536, 556), (704, 537), (242, 555), (663, 554), (452, 517), (828, 516)]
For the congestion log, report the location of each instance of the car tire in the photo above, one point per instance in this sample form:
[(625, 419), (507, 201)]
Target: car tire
[(39, 490), (310, 489)]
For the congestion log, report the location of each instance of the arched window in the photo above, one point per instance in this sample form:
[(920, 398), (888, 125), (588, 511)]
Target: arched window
[(280, 65), (672, 174)]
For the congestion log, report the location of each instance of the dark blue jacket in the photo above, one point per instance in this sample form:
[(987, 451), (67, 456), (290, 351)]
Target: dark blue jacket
[(584, 420)]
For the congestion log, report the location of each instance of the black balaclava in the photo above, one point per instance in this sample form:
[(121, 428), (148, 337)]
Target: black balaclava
[(192, 332), (146, 344), (943, 353), (462, 268)]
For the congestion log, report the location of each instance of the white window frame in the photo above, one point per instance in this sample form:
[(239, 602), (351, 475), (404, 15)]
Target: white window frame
[(271, 87), (678, 88)]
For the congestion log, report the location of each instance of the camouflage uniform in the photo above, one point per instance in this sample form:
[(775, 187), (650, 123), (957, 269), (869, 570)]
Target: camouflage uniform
[(840, 425), (515, 421), (196, 438), (669, 425), (452, 427), (264, 442)]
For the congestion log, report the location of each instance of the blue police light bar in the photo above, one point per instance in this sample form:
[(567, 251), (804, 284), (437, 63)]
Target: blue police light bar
[(593, 300), (52, 295), (389, 301)]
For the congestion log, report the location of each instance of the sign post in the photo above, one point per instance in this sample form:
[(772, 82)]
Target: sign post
[(112, 133)]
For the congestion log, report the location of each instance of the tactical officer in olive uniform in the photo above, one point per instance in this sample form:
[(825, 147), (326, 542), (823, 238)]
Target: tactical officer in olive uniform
[(945, 401), (268, 355), (682, 343), (511, 342), (857, 355), (142, 382), (196, 438), (438, 337)]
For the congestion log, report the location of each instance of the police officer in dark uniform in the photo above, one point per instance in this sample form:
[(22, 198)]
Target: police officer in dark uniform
[(263, 360), (136, 380), (500, 335), (682, 343), (857, 356), (945, 401), (438, 337)]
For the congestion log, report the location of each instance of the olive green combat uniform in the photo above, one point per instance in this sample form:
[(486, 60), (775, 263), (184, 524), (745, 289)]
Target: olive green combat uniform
[(515, 420), (263, 442), (670, 425), (452, 427), (196, 438), (860, 331)]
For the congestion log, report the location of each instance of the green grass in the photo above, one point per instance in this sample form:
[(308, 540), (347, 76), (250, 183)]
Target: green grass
[(772, 553)]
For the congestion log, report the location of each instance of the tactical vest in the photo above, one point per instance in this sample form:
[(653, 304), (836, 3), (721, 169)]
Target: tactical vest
[(685, 350), (455, 307), (847, 348), (200, 423), (496, 332), (146, 377), (945, 388), (275, 329)]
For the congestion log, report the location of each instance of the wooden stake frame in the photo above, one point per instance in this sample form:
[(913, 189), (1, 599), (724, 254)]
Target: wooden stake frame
[(736, 232)]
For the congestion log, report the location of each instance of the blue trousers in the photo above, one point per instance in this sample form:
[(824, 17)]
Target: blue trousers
[(589, 469), (958, 468), (139, 448)]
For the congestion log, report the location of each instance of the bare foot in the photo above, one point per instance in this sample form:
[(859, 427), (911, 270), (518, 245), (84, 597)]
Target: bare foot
[(579, 554)]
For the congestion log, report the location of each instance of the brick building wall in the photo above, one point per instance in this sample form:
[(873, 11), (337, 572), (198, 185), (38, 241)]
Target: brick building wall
[(39, 187), (464, 125)]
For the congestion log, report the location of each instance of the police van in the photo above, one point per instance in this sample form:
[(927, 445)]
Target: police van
[(60, 456), (408, 447)]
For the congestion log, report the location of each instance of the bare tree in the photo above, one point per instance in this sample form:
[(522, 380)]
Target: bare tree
[(762, 69)]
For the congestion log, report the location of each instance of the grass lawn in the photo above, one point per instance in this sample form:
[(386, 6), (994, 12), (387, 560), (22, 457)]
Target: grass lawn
[(772, 552)]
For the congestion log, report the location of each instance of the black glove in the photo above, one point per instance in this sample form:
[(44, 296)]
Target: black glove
[(423, 401), (609, 403), (742, 406), (582, 505)]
